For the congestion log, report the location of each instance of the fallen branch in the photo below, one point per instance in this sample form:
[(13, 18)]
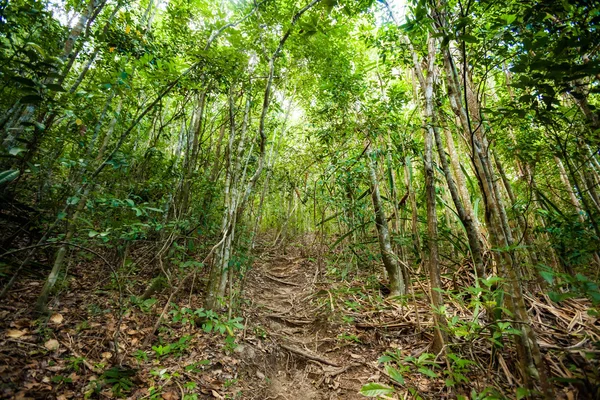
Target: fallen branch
[(83, 360), (392, 325), (342, 370), (291, 321), (308, 355), (271, 277)]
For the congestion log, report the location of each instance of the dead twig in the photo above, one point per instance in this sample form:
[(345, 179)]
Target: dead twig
[(308, 355), (83, 360)]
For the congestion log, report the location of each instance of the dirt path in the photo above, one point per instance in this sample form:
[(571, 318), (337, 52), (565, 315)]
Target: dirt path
[(294, 339)]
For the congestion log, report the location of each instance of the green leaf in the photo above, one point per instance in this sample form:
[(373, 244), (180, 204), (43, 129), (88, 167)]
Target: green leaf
[(509, 18), (384, 359), (522, 393), (547, 275), (428, 372), (16, 151), (394, 374), (8, 175), (468, 38), (72, 200), (375, 389)]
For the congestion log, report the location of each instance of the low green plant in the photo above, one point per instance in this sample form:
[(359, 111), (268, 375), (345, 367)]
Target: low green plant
[(60, 379), (160, 373), (260, 332), (397, 367), (349, 337), (144, 305), (95, 310), (457, 374), (82, 326), (197, 367), (176, 348), (230, 344), (210, 321), (162, 351), (75, 363), (229, 382), (120, 379), (352, 305), (140, 356)]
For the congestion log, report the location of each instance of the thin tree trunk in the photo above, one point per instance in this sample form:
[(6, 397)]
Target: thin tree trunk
[(413, 207), (532, 365), (390, 261)]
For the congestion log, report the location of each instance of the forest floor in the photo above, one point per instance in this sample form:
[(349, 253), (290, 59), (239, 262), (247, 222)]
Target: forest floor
[(295, 343), (305, 334), (310, 354)]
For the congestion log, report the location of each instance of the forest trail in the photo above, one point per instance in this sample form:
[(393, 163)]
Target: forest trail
[(304, 358)]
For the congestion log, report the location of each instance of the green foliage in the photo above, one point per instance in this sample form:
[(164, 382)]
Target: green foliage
[(349, 337), (574, 242), (398, 367), (75, 363), (375, 390), (176, 349), (61, 379), (197, 367), (230, 344), (117, 136), (210, 321), (119, 379), (140, 356), (144, 305), (565, 286)]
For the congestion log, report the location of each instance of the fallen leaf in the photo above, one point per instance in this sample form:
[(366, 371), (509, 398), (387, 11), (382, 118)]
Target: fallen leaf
[(22, 323), (51, 344), (170, 396), (216, 395), (107, 355), (15, 334), (56, 318)]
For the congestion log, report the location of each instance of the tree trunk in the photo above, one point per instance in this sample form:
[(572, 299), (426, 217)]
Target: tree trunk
[(390, 260), (532, 365)]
